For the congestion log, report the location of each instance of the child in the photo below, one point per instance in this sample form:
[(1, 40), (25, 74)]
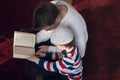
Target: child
[(68, 62)]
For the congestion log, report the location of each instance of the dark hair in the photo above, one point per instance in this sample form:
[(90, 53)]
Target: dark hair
[(45, 14)]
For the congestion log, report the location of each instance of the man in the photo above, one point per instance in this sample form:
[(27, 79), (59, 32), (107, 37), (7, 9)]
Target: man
[(48, 16)]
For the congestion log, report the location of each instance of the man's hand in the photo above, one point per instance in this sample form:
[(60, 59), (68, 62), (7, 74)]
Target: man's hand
[(40, 54), (43, 48), (42, 51), (33, 58)]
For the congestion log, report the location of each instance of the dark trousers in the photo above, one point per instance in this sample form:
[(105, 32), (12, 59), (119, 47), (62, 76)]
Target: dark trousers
[(34, 70)]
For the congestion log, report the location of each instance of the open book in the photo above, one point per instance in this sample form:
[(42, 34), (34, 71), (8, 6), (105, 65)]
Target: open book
[(23, 45)]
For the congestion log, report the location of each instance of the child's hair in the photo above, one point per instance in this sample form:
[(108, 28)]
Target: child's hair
[(71, 44)]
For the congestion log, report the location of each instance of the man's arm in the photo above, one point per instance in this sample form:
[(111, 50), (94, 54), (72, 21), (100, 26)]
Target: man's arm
[(43, 36)]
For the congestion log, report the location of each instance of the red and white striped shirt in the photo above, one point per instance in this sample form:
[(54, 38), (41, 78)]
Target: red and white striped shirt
[(69, 64)]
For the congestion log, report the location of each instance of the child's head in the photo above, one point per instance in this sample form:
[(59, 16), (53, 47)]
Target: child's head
[(63, 38)]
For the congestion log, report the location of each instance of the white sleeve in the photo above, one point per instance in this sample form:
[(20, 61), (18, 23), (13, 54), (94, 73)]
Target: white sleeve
[(54, 49), (43, 36)]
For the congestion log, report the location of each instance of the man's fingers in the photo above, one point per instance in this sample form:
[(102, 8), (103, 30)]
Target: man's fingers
[(41, 46), (40, 54)]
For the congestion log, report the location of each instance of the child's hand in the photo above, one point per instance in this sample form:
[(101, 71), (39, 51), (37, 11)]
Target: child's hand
[(34, 59)]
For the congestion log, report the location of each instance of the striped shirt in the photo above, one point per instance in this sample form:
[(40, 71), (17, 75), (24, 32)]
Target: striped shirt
[(68, 64)]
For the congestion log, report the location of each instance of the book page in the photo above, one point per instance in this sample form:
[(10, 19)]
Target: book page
[(24, 39), (22, 52)]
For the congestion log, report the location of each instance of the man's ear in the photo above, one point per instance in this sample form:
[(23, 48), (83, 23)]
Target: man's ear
[(58, 19)]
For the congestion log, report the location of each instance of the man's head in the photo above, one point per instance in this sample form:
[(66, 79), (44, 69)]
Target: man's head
[(45, 15)]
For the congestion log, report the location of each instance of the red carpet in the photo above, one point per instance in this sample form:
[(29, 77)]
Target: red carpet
[(102, 59)]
